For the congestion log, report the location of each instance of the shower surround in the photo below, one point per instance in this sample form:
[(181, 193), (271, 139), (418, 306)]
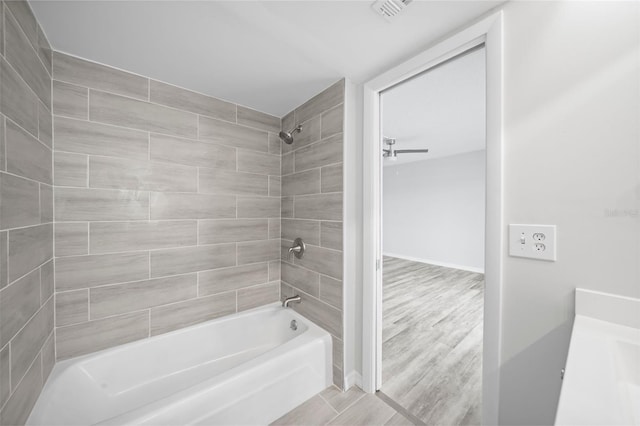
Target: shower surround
[(26, 212), (158, 208), (167, 207)]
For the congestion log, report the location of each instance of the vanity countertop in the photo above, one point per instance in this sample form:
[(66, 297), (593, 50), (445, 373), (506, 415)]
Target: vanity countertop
[(601, 384)]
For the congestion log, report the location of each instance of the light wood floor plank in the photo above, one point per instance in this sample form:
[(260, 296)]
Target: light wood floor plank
[(432, 341)]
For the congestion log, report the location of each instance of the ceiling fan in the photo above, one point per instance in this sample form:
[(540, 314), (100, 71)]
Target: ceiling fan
[(392, 154)]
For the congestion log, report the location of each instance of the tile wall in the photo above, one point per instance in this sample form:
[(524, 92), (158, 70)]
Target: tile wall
[(26, 212), (167, 207), (312, 205)]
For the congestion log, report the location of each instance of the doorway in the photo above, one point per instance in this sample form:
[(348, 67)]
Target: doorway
[(487, 31), (433, 225)]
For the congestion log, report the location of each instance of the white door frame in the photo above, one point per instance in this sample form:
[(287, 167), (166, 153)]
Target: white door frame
[(488, 31)]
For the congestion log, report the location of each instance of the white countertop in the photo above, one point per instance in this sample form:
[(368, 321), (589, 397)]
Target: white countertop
[(601, 384)]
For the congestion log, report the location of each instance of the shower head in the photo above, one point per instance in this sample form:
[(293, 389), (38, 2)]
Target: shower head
[(287, 137)]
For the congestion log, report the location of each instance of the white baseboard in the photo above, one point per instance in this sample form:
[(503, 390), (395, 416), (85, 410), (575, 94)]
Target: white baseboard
[(436, 262), (353, 379)]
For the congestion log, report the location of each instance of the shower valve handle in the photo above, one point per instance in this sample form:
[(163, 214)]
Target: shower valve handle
[(297, 248)]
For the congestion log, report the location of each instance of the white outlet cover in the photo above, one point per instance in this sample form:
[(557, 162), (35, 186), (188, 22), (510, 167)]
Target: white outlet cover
[(522, 243)]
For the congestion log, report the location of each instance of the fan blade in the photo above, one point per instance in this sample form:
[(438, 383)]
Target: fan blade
[(410, 151)]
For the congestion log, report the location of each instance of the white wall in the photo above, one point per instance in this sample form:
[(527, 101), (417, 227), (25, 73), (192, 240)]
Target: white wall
[(433, 210), (571, 158)]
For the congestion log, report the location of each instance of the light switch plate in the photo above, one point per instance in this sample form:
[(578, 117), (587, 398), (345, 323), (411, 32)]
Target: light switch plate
[(533, 241)]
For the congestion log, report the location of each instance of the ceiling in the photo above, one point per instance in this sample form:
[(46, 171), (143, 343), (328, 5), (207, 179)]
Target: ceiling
[(442, 110), (267, 55)]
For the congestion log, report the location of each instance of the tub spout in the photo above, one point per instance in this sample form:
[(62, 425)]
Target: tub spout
[(289, 300)]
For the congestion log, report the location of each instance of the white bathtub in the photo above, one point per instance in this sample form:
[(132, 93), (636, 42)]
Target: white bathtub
[(247, 368)]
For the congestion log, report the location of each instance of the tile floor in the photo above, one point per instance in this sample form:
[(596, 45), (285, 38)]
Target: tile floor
[(334, 407)]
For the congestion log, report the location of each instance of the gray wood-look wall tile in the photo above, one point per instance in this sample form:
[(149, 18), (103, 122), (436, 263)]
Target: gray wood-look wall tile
[(108, 237), (337, 347), (330, 97), (274, 271), (17, 101), (78, 204), (192, 259), (5, 366), (4, 254), (287, 163), (122, 298), (71, 239), (259, 295), (70, 100), (47, 281), (233, 134), (258, 162), (26, 156), (3, 165), (192, 153), (214, 181), (332, 121), (288, 121), (275, 144), (18, 303), (90, 74), (46, 203), (232, 230), (29, 248), (331, 291), (26, 344), (85, 137), (258, 251), (233, 278), (45, 125), (331, 235), (258, 120), (48, 357), (304, 279), (20, 202), (309, 133), (80, 339), (72, 307), (118, 173), (286, 207), (332, 178), (122, 111), (44, 51), (183, 314), (4, 259), (187, 100), (258, 207), (17, 409), (77, 272), (70, 169), (25, 17), (307, 182), (274, 228), (308, 230), (326, 316), (275, 186), (193, 206), (20, 53), (321, 207), (1, 53), (322, 260), (327, 151)]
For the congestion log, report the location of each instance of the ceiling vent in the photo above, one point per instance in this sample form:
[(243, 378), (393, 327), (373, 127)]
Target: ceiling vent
[(389, 9)]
